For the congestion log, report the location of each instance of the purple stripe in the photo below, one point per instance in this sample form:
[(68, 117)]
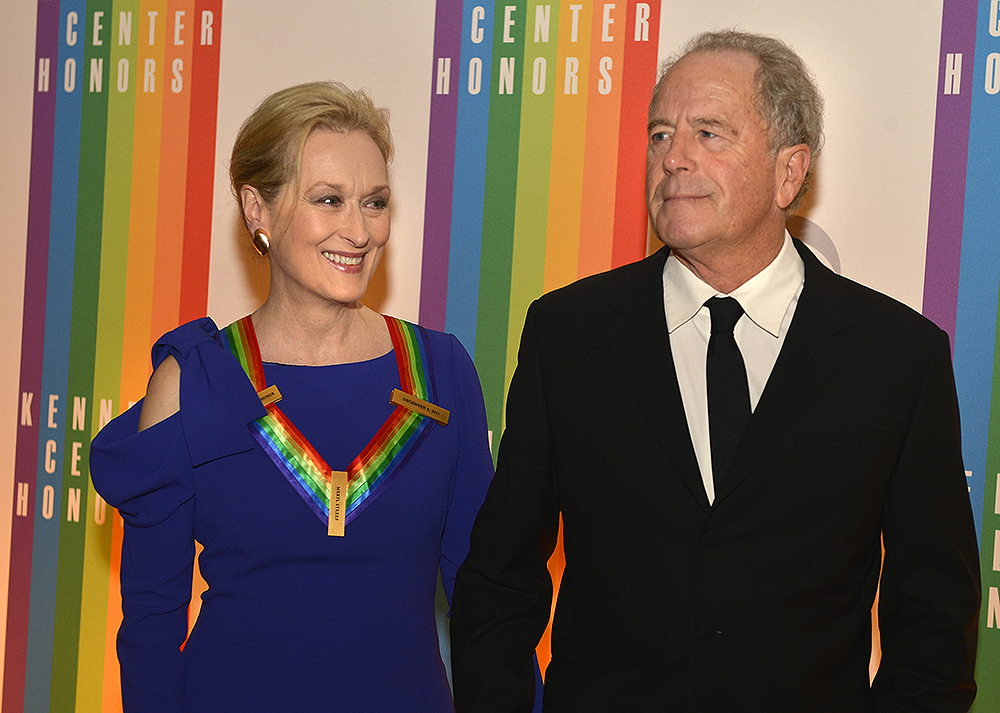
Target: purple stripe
[(294, 479), (440, 167), (951, 152), (32, 348)]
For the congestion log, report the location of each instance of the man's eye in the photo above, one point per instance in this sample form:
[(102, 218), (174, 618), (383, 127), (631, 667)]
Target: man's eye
[(707, 134)]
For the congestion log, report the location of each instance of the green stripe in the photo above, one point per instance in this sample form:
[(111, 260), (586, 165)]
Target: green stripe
[(382, 458), (413, 358), (310, 474), (498, 221), (237, 344), (82, 590), (532, 209), (988, 656), (115, 196)]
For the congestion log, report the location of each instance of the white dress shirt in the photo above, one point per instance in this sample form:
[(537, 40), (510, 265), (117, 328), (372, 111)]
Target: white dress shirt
[(768, 300)]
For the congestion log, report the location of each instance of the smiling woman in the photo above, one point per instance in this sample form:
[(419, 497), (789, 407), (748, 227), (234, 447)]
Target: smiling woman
[(325, 510), (327, 231)]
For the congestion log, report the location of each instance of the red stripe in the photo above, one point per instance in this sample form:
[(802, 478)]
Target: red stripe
[(639, 65), (403, 361), (248, 338), (244, 338), (204, 78), (304, 446), (377, 442)]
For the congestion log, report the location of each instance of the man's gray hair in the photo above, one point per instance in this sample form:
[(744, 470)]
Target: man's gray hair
[(785, 93)]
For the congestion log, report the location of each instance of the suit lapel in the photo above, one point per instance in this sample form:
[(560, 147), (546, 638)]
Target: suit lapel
[(638, 340), (813, 350)]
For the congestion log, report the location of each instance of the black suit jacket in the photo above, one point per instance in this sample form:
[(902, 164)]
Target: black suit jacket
[(761, 601)]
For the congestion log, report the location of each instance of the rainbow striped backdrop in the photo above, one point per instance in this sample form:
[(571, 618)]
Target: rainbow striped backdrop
[(536, 167), (121, 182), (962, 278), (536, 163), (122, 168)]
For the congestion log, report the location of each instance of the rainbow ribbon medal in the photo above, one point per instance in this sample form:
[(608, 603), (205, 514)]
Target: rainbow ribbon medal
[(379, 462)]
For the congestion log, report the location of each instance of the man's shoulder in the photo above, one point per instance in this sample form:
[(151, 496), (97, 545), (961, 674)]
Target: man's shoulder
[(617, 283), (843, 296)]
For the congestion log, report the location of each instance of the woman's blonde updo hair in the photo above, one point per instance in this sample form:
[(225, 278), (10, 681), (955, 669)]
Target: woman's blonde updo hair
[(268, 149)]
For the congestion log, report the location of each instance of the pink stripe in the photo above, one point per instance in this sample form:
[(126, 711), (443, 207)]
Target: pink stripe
[(32, 346)]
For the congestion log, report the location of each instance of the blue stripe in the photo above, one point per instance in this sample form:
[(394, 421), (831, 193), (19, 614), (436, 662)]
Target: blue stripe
[(290, 465), (277, 457), (979, 280), (55, 364), (424, 346), (471, 131)]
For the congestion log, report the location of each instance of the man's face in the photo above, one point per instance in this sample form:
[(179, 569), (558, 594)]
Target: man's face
[(712, 182)]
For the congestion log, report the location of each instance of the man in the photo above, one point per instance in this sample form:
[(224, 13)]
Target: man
[(718, 560)]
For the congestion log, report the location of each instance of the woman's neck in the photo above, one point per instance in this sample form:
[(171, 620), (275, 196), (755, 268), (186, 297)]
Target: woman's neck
[(332, 334)]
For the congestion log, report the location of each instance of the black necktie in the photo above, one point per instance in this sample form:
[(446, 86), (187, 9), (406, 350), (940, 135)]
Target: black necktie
[(728, 393)]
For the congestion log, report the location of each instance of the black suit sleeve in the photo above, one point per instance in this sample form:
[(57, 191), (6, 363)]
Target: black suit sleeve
[(503, 592), (930, 586)]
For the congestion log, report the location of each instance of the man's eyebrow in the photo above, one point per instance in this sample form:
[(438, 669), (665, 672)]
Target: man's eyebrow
[(656, 121), (700, 121), (709, 121)]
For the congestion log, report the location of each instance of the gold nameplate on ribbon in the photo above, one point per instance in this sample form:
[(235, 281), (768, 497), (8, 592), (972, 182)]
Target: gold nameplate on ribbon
[(338, 503), (269, 395), (424, 408)]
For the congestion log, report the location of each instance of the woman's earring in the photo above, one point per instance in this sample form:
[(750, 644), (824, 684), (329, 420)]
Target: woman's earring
[(261, 242)]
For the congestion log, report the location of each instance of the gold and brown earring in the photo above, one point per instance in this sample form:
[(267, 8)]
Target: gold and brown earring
[(261, 242)]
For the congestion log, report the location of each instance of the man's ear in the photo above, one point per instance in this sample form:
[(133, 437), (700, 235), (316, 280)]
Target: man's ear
[(793, 165)]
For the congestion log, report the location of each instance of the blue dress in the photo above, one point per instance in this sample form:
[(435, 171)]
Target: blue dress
[(293, 619)]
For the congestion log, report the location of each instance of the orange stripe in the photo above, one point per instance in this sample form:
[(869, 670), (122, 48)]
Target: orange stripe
[(569, 125), (112, 691), (254, 365), (318, 463), (402, 361), (173, 168), (601, 158), (383, 436), (143, 208)]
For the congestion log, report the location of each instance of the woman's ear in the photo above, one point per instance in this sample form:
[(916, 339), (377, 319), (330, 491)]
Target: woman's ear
[(254, 207)]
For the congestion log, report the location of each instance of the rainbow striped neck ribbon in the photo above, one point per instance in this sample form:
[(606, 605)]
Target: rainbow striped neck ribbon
[(384, 456)]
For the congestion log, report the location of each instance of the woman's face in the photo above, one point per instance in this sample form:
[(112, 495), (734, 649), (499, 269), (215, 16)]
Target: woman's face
[(328, 232)]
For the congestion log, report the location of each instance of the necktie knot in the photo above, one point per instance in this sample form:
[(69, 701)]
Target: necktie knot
[(726, 312)]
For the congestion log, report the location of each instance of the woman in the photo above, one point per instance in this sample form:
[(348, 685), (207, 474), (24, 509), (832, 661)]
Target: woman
[(321, 584)]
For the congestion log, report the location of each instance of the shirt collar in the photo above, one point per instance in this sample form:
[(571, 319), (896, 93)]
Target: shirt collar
[(765, 297)]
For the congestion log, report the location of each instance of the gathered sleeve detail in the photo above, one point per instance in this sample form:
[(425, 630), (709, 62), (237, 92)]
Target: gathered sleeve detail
[(147, 475), (217, 399), (141, 473)]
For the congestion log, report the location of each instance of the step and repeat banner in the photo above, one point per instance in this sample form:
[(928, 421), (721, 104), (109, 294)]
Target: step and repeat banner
[(520, 168)]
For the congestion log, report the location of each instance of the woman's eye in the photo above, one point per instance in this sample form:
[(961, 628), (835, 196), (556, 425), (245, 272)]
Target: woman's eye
[(330, 200)]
